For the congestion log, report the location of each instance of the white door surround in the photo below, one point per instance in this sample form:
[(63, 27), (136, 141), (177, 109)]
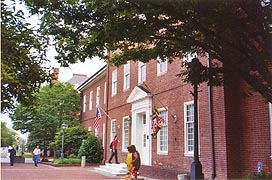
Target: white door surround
[(141, 113)]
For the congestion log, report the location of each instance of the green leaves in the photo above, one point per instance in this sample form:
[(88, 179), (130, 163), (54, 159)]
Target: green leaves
[(91, 148), (21, 71), (54, 104), (237, 33), (7, 136)]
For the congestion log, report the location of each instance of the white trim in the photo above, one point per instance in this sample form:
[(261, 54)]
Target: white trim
[(84, 103), (91, 101), (161, 71), (103, 136), (141, 79), (186, 153), (98, 95), (124, 148), (143, 106), (114, 83), (111, 134), (126, 73), (159, 152), (105, 92)]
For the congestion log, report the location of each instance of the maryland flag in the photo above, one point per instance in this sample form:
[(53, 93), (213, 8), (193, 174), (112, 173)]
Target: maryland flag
[(157, 122)]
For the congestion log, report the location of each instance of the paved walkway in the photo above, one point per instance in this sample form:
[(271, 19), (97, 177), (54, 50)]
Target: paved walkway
[(27, 171)]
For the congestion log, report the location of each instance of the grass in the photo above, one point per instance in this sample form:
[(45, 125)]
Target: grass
[(66, 161)]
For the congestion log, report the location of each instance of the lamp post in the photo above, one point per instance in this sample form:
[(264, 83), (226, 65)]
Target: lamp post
[(196, 77), (63, 126)]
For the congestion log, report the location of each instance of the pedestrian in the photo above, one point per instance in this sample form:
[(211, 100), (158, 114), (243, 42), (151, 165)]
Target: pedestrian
[(114, 150), (12, 153), (36, 155)]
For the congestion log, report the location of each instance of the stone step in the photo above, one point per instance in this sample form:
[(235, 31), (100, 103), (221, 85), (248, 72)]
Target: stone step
[(113, 169)]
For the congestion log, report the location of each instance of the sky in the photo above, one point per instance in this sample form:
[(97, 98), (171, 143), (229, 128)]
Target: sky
[(89, 67)]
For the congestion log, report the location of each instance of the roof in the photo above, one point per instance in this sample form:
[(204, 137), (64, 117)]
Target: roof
[(100, 73), (77, 79)]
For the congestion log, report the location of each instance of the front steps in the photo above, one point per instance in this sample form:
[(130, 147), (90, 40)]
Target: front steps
[(113, 169)]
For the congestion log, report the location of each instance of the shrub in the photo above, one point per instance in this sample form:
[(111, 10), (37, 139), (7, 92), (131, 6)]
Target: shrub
[(72, 156), (92, 149), (67, 161), (261, 175)]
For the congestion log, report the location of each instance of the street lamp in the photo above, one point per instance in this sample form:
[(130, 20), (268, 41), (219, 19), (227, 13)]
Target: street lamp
[(196, 77), (63, 126)]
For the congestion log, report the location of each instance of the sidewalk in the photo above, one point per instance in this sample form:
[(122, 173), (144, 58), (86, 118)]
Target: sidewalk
[(28, 171)]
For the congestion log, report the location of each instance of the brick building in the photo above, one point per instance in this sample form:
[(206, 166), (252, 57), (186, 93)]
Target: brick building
[(234, 130)]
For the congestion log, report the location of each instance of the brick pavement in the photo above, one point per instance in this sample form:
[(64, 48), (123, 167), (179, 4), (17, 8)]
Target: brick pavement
[(28, 171)]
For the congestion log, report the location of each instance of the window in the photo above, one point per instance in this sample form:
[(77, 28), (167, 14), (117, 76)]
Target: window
[(161, 66), (126, 76), (190, 56), (113, 129), (189, 128), (105, 93), (142, 72), (126, 122), (84, 103), (163, 134), (98, 95), (114, 82), (91, 101)]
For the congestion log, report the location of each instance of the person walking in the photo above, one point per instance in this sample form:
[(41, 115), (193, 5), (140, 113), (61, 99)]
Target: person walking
[(12, 153), (36, 155), (114, 150)]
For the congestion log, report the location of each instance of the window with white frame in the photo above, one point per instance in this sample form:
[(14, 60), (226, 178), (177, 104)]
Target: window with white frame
[(127, 76), (163, 134), (114, 83), (84, 103), (141, 72), (189, 128), (105, 93), (190, 56), (161, 66), (113, 129), (270, 116), (126, 121), (91, 101), (98, 95)]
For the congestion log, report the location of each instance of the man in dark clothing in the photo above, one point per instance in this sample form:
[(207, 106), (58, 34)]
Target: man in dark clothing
[(12, 154)]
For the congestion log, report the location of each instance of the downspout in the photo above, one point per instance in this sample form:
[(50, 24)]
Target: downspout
[(210, 105), (107, 112)]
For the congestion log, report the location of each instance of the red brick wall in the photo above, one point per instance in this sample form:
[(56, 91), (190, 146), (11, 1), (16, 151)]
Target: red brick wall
[(239, 143), (255, 132)]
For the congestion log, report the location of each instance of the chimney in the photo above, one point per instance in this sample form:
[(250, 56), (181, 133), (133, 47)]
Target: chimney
[(55, 75)]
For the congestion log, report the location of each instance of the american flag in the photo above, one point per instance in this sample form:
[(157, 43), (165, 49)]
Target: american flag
[(97, 117)]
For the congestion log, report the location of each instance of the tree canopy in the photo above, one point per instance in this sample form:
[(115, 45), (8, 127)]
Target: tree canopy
[(22, 56), (55, 104), (235, 32), (7, 136), (73, 138)]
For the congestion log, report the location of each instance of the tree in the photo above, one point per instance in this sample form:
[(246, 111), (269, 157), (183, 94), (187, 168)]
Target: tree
[(55, 104), (7, 136), (91, 148), (73, 137), (235, 32), (22, 56)]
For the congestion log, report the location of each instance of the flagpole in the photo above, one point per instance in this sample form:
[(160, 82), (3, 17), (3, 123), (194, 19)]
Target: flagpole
[(156, 97), (104, 112)]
